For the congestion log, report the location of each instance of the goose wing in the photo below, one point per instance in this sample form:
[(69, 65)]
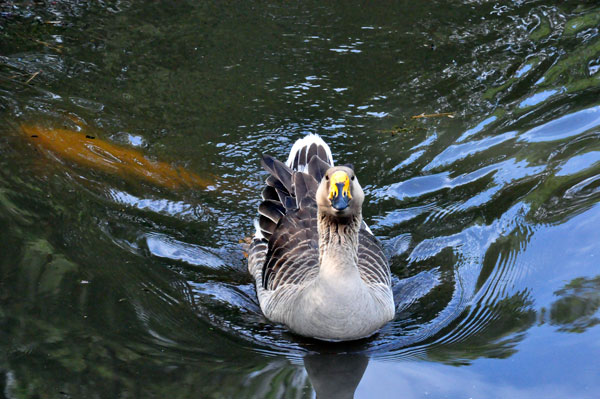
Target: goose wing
[(288, 222), (293, 250)]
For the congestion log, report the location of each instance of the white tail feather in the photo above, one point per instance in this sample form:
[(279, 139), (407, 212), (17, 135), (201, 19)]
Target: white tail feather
[(307, 141), (258, 235)]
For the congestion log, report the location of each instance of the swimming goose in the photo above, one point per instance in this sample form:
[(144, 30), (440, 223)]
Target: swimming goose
[(318, 268)]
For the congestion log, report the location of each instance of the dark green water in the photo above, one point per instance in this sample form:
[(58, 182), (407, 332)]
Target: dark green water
[(114, 287)]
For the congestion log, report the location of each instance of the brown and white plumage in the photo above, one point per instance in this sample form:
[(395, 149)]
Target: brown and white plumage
[(318, 268)]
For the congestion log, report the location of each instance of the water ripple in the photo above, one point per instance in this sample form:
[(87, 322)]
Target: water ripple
[(166, 247), (457, 152), (564, 127)]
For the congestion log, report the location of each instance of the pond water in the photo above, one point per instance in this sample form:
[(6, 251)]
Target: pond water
[(117, 282)]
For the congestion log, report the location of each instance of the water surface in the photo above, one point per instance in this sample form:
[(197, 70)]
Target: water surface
[(113, 284)]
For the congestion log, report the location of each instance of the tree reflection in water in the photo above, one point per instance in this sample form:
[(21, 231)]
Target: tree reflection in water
[(576, 310)]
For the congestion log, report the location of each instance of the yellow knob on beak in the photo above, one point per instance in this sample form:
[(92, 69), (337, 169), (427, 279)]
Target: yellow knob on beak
[(339, 190)]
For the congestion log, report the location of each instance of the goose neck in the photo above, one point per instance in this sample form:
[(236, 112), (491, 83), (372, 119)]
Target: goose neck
[(338, 244)]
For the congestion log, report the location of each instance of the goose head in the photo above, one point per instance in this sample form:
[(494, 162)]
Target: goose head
[(339, 194)]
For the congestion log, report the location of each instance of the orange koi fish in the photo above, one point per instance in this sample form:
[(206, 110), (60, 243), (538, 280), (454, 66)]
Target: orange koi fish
[(92, 152)]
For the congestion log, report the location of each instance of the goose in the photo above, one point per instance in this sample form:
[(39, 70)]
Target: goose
[(318, 268)]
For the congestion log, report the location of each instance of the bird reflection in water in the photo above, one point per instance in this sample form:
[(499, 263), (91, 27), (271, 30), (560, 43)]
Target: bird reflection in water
[(335, 376)]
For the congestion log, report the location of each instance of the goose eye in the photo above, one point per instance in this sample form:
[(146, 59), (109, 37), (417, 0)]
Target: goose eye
[(326, 177), (352, 178)]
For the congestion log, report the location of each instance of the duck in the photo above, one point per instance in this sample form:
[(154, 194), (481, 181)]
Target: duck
[(318, 268)]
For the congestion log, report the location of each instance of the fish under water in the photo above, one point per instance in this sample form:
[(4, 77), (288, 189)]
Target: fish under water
[(95, 153)]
